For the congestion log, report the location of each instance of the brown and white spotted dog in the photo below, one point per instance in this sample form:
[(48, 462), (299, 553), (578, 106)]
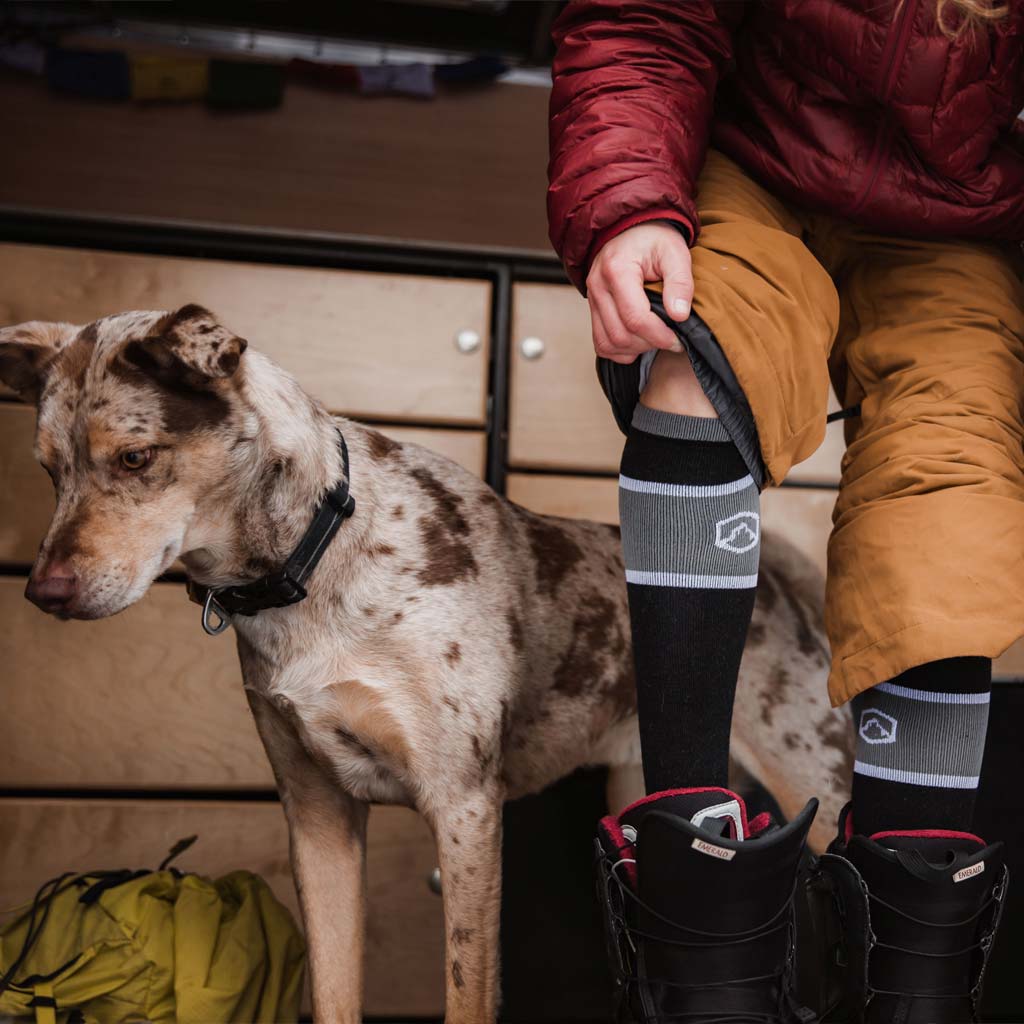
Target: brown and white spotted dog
[(455, 650)]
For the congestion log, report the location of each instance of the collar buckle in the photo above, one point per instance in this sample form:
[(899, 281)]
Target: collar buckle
[(211, 608)]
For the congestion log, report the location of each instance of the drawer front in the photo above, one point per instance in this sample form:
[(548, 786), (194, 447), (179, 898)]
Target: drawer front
[(377, 345), (571, 496), (405, 930), (26, 495), (144, 698), (558, 415)]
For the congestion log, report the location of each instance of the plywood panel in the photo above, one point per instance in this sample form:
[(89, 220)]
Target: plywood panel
[(377, 345), (572, 496), (26, 496), (559, 417), (467, 169), (466, 447), (40, 839), (144, 698)]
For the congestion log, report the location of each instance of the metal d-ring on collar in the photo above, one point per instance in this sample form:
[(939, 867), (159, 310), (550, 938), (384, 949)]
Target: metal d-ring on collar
[(286, 585)]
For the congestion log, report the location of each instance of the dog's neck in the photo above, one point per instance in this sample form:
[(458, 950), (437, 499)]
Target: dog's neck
[(285, 457)]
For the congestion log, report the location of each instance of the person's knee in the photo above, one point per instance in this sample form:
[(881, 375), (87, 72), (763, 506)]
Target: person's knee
[(673, 387)]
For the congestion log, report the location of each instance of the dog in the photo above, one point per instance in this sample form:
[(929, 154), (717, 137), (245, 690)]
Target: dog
[(453, 651)]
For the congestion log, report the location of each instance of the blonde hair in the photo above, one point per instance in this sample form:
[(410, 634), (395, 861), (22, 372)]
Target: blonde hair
[(974, 14)]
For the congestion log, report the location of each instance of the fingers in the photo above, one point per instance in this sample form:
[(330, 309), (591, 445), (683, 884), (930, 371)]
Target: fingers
[(616, 292), (625, 288), (624, 323), (602, 346), (677, 279)]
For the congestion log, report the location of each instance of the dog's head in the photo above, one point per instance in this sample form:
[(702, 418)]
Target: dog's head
[(134, 428)]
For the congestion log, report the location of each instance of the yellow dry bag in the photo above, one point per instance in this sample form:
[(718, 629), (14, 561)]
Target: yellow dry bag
[(108, 947)]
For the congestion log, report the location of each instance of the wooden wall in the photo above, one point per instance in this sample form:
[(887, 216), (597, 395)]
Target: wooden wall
[(467, 169)]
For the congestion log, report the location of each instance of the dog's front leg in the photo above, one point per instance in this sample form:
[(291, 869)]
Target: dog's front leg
[(469, 848), (327, 832)]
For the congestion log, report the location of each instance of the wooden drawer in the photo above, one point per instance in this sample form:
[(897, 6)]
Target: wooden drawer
[(558, 415), (26, 495), (144, 698), (404, 950), (378, 345), (572, 496)]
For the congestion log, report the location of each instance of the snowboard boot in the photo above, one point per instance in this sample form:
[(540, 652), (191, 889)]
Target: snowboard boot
[(905, 922), (698, 907)]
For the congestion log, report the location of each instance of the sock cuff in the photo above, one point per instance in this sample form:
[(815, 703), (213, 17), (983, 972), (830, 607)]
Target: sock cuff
[(679, 427)]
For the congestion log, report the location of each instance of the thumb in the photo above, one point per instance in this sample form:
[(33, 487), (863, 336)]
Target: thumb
[(677, 278)]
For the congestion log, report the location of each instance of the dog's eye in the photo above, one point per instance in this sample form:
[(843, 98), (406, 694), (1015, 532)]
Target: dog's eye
[(136, 459)]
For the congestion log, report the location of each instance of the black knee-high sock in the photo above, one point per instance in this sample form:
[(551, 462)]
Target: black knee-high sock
[(691, 536), (920, 742)]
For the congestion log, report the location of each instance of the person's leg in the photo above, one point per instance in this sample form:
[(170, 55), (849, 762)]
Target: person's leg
[(689, 505), (920, 744), (699, 898), (925, 587), (691, 537)]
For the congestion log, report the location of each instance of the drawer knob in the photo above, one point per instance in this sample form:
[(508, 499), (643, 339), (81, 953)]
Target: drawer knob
[(532, 348), (434, 881), (467, 340)]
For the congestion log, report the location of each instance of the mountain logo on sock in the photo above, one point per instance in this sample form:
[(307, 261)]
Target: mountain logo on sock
[(738, 533), (877, 727)]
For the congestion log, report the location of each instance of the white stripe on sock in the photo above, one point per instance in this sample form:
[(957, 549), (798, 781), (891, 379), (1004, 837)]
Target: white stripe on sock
[(934, 698), (916, 778), (690, 582), (627, 483)]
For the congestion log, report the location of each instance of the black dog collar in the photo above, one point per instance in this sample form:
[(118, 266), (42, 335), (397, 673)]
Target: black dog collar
[(287, 585)]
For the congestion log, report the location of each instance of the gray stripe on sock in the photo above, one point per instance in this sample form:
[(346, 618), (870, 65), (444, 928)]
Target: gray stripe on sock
[(691, 536), (917, 778), (628, 483), (927, 735), (682, 428), (675, 579)]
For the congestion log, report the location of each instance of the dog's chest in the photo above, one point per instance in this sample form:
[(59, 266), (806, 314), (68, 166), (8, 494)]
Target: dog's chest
[(341, 717)]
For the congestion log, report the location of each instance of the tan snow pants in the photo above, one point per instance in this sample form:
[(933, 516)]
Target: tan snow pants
[(926, 556)]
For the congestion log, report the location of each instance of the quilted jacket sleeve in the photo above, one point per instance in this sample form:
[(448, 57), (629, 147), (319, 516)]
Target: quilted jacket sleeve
[(631, 103)]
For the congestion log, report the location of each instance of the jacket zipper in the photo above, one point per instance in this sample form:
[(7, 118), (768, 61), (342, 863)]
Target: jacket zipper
[(896, 47)]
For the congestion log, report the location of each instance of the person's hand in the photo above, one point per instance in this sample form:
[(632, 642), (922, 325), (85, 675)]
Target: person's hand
[(623, 323)]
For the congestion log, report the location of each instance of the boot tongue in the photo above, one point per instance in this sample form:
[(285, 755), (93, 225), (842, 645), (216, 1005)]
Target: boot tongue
[(934, 856), (720, 812), (685, 833)]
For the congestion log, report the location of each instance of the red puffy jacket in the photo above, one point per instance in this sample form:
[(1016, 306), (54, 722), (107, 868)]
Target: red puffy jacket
[(859, 108)]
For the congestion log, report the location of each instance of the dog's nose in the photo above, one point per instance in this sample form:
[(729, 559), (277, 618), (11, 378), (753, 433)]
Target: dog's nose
[(55, 589)]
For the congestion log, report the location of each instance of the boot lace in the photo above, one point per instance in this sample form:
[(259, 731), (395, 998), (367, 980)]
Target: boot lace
[(984, 943), (782, 919)]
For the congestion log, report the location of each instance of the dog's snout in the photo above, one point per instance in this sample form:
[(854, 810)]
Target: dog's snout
[(54, 589)]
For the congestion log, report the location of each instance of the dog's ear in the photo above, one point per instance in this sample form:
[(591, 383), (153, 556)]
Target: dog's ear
[(189, 345), (27, 352)]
